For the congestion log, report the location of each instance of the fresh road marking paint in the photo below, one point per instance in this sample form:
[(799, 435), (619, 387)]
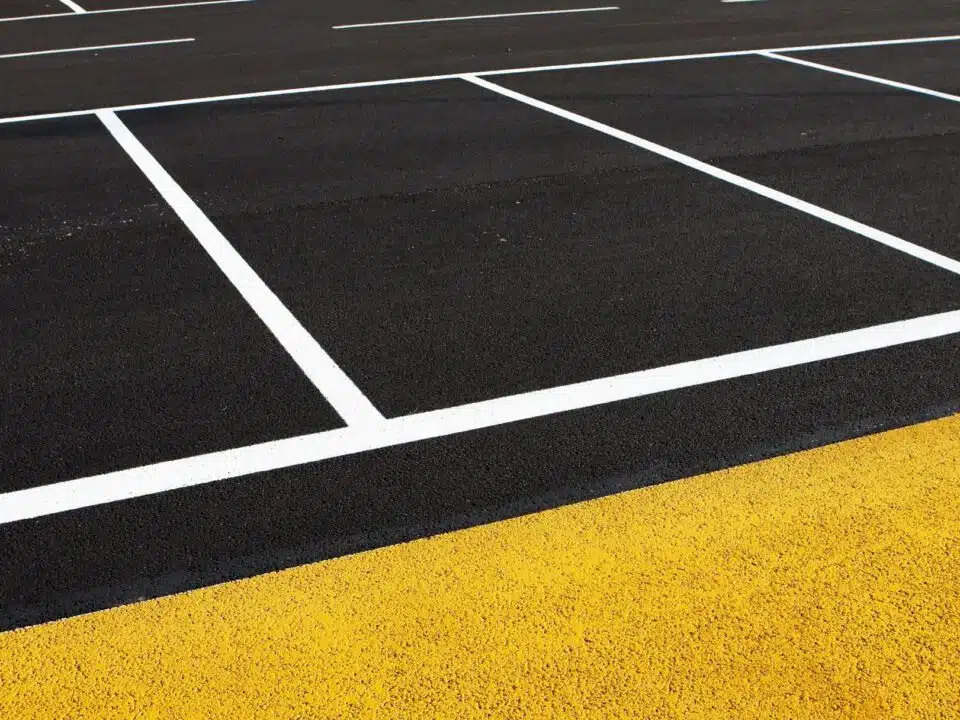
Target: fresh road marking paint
[(483, 73), (345, 397), (803, 206), (94, 48), (476, 17), (262, 457), (73, 6), (122, 10), (817, 585), (862, 76)]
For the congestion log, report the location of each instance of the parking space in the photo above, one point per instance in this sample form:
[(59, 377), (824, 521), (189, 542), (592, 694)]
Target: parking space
[(931, 65), (883, 156), (123, 341), (507, 250)]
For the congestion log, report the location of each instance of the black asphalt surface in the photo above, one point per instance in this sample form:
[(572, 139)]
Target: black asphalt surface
[(123, 341), (445, 245)]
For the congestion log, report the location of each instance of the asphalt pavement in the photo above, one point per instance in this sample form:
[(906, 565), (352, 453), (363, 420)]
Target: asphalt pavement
[(447, 245)]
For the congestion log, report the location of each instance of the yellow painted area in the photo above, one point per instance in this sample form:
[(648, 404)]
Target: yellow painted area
[(824, 584)]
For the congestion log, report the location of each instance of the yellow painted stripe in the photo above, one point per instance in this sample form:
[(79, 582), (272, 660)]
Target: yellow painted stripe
[(824, 584)]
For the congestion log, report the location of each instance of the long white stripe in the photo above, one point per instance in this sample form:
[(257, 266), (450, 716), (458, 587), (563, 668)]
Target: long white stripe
[(862, 76), (345, 397), (723, 54), (484, 73), (47, 16), (187, 472), (422, 21), (816, 211), (73, 6), (92, 48)]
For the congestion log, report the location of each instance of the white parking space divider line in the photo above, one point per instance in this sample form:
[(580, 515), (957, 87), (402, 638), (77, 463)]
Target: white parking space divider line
[(459, 18), (816, 211), (721, 54), (483, 73), (140, 8), (339, 390), (201, 469), (73, 6), (95, 48), (861, 76)]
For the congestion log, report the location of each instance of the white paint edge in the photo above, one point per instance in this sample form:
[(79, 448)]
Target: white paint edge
[(450, 76), (263, 457), (459, 18), (47, 16), (73, 6), (861, 76), (93, 48), (339, 390), (803, 206)]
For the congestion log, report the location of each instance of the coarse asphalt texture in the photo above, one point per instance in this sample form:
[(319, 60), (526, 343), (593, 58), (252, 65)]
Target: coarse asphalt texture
[(452, 244), (832, 596)]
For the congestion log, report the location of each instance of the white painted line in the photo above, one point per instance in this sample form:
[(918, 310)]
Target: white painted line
[(21, 18), (450, 76), (722, 54), (73, 6), (816, 211), (227, 98), (862, 76), (476, 17), (345, 397), (213, 467), (94, 48)]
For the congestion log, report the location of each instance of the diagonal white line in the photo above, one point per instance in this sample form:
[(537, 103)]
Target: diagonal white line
[(458, 18), (140, 8), (92, 48), (484, 73), (816, 211), (213, 467), (73, 6), (339, 390), (721, 54), (861, 76)]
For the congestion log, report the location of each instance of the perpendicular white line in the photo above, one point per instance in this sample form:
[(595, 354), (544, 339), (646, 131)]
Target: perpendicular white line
[(422, 21), (73, 6), (861, 76), (93, 48), (339, 390), (816, 211), (141, 8), (254, 95), (263, 457)]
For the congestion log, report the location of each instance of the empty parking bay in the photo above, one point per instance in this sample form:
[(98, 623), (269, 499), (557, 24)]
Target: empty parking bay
[(447, 245), (123, 343)]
